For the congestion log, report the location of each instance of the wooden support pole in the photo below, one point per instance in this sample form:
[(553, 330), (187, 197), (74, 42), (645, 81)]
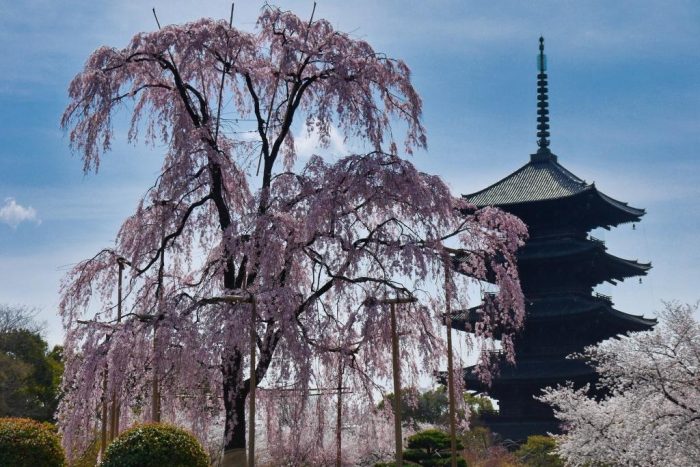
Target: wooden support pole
[(114, 413), (395, 363), (339, 417), (251, 393), (155, 389), (113, 417), (398, 438), (451, 390), (103, 430)]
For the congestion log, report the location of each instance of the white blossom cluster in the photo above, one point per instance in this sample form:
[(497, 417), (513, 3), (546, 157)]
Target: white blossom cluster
[(652, 413)]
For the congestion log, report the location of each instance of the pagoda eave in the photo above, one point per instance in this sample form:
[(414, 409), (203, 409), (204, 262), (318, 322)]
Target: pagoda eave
[(555, 308), (573, 249), (538, 372), (585, 260)]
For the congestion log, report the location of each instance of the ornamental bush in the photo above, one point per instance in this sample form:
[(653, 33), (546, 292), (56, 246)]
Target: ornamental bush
[(155, 445), (28, 443), (539, 451)]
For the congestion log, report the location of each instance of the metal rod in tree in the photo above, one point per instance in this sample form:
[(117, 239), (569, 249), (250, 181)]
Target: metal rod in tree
[(223, 78), (450, 373)]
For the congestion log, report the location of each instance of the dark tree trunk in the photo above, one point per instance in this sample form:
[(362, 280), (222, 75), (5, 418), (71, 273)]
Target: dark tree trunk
[(235, 395), (235, 420)]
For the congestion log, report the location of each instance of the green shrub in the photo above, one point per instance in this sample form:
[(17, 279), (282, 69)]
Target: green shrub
[(538, 451), (28, 443), (155, 445), (431, 448)]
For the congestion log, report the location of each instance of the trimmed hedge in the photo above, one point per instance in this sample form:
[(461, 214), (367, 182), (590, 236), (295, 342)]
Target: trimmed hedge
[(28, 443), (155, 445)]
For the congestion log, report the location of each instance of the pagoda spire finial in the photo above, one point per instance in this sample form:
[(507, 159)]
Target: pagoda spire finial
[(542, 101)]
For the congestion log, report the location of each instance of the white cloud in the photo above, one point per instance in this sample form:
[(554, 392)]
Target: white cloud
[(309, 143), (14, 214)]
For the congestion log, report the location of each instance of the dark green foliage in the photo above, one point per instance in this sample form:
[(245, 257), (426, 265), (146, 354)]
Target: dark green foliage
[(478, 439), (28, 443), (432, 406), (478, 404), (155, 445), (431, 448), (431, 441), (538, 451), (428, 407), (29, 374)]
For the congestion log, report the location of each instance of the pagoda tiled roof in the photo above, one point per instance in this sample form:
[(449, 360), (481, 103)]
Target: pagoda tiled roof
[(537, 180), (541, 179)]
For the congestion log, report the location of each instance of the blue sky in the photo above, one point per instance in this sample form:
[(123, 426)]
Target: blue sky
[(624, 100)]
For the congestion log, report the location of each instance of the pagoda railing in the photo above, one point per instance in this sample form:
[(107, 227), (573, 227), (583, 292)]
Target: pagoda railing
[(544, 236), (607, 298)]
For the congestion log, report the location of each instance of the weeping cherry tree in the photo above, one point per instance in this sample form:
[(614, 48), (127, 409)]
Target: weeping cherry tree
[(311, 243)]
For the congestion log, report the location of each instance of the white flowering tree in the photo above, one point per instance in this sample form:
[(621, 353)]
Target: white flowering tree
[(310, 243), (651, 415)]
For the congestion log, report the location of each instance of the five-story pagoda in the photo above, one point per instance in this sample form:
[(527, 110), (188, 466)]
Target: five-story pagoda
[(559, 267)]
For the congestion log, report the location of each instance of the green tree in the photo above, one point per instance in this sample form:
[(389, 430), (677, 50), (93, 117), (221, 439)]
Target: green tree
[(479, 405), (432, 406), (29, 373), (416, 407)]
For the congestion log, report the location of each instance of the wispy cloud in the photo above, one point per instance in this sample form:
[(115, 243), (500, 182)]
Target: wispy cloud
[(13, 214)]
